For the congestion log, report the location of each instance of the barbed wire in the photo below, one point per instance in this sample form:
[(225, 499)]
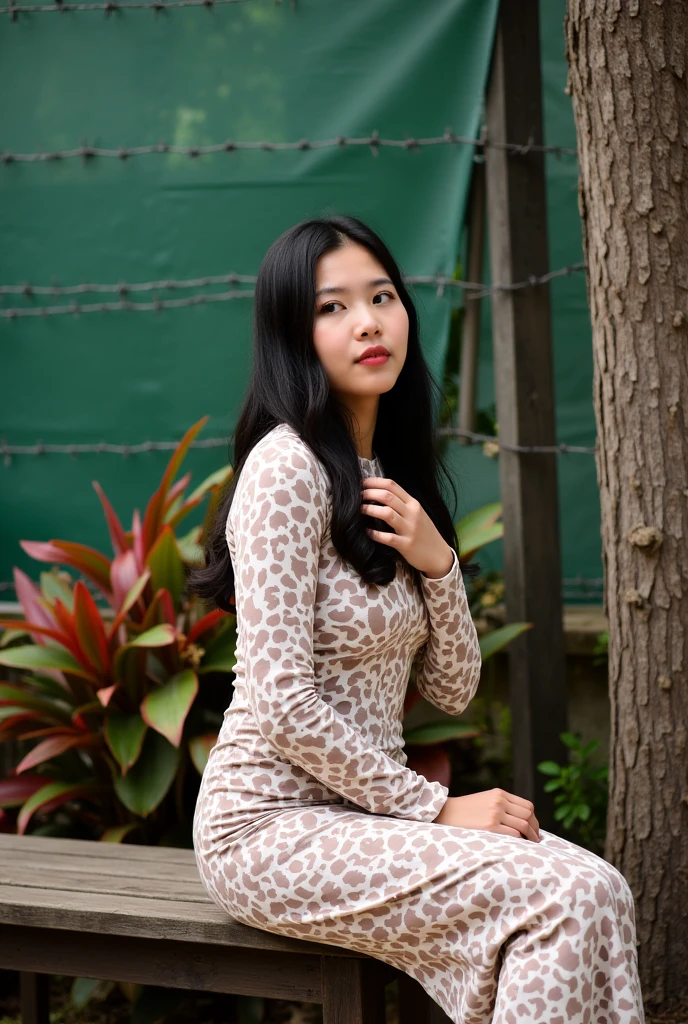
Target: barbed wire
[(114, 5), (473, 290), (133, 307), (372, 141), (525, 449), (102, 448), (123, 287), (7, 451)]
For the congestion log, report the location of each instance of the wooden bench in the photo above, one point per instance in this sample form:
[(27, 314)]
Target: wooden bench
[(140, 914)]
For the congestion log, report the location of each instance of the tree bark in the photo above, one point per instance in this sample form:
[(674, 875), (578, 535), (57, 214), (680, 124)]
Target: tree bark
[(628, 80)]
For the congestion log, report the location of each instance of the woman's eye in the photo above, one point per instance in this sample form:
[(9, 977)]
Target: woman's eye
[(327, 307)]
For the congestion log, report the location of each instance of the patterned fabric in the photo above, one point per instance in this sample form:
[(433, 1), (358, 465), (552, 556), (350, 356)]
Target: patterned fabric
[(308, 822)]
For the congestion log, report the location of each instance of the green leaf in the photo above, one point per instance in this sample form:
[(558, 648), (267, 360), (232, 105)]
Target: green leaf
[(166, 708), (55, 587), (49, 687), (553, 784), (189, 547), (199, 748), (439, 732), (165, 564), (216, 479), (570, 740), (219, 654), (8, 636), (583, 812), (158, 636), (55, 794), (129, 662), (471, 542), (129, 601), (561, 812), (117, 833), (499, 638), (479, 528), (549, 768), (25, 700), (124, 735), (41, 658), (145, 785), (480, 517)]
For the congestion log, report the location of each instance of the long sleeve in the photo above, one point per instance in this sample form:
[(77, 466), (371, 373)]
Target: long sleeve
[(279, 518), (449, 670)]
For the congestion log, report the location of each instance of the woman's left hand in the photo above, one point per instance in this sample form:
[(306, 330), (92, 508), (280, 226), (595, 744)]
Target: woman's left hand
[(415, 535)]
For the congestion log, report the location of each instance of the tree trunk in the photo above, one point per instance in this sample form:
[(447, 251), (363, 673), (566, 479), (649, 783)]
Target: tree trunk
[(628, 79)]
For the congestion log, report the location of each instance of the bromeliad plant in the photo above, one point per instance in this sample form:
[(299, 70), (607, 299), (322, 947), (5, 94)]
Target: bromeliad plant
[(427, 746), (113, 711)]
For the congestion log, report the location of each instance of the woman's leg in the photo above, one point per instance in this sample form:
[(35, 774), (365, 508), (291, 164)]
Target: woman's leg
[(497, 929), (575, 959)]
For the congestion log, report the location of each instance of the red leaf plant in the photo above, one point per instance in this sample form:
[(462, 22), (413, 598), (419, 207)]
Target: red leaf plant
[(116, 705)]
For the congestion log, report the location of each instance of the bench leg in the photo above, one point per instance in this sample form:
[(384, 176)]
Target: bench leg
[(353, 991), (34, 997), (416, 1006)]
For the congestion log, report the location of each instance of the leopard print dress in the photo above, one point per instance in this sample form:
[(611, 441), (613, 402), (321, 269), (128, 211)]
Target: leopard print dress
[(308, 822)]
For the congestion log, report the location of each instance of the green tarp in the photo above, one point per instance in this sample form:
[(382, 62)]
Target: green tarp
[(249, 71), (195, 76)]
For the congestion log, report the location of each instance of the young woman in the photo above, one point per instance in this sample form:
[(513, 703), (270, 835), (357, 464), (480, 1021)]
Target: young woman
[(340, 555)]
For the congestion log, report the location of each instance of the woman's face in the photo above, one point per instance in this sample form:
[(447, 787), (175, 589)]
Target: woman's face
[(357, 307)]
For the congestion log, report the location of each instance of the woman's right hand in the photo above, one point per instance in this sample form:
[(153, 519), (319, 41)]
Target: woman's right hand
[(493, 810)]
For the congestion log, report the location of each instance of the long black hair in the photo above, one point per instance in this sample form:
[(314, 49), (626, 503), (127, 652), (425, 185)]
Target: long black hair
[(288, 385)]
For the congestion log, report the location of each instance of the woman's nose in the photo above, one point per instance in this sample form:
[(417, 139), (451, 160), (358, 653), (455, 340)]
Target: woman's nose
[(368, 328)]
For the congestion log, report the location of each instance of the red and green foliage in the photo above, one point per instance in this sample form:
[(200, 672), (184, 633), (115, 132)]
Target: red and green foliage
[(117, 704), (428, 746), (113, 701)]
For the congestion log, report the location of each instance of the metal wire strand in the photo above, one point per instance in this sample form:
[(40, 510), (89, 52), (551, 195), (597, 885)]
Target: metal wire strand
[(526, 449), (7, 451), (112, 307), (473, 290), (373, 141), (114, 5)]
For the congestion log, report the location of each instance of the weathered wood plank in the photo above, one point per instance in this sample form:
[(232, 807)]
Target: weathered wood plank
[(116, 851), (145, 918), (72, 862), (81, 882), (275, 975)]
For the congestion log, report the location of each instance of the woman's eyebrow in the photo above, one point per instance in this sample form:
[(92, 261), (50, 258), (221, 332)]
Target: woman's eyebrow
[(335, 288)]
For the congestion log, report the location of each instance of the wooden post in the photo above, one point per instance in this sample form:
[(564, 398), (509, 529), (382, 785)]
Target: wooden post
[(416, 1006), (353, 991), (470, 335), (517, 226), (34, 997)]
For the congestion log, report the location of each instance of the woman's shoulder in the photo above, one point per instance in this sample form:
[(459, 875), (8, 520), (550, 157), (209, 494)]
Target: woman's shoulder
[(282, 456)]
